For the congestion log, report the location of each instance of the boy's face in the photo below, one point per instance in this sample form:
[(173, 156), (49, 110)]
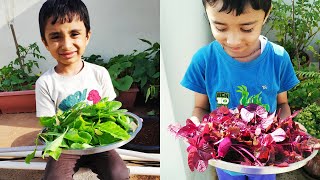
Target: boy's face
[(66, 41), (237, 34)]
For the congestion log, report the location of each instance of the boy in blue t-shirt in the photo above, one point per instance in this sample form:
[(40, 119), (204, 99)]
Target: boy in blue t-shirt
[(239, 56)]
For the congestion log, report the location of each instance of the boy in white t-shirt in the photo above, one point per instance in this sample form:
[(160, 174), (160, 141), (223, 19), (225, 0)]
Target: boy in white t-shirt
[(65, 32)]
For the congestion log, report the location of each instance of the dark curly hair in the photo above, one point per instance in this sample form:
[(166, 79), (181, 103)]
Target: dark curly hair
[(63, 11), (239, 5)]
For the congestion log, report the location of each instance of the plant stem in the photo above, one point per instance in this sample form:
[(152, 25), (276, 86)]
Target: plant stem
[(240, 153), (17, 46), (294, 35), (252, 156)]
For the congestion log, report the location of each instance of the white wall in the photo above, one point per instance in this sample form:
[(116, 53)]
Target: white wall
[(116, 27), (184, 30)]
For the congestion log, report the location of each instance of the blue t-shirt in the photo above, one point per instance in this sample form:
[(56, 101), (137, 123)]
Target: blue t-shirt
[(216, 74)]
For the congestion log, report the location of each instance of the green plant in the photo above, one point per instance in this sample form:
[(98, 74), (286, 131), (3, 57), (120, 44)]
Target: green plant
[(316, 54), (140, 68), (120, 69), (309, 117), (18, 74), (95, 59), (295, 25), (307, 91), (84, 126), (147, 71)]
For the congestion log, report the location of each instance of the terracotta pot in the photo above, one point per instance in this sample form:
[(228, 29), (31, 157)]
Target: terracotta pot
[(313, 167), (17, 101), (127, 98)]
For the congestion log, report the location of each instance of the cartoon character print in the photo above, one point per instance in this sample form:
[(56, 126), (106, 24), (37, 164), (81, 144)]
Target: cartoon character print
[(79, 96)]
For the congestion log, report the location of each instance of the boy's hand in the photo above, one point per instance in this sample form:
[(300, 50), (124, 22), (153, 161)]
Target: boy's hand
[(195, 120), (314, 143), (301, 127)]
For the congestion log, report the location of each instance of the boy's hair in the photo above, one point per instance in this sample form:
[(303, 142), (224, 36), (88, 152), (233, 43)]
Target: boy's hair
[(239, 5), (63, 11)]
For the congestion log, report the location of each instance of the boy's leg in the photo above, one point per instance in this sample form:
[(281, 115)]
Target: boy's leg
[(222, 175), (63, 169), (262, 177), (108, 165)]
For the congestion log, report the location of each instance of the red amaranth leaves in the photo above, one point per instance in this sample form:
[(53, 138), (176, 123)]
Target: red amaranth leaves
[(245, 135)]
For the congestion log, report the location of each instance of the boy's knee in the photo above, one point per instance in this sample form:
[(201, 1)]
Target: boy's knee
[(121, 173), (117, 173)]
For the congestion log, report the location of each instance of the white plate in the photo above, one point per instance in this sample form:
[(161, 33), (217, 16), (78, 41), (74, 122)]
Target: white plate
[(260, 169)]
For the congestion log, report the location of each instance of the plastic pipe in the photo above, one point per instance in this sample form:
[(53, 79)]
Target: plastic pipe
[(23, 151), (152, 171), (150, 156), (39, 154)]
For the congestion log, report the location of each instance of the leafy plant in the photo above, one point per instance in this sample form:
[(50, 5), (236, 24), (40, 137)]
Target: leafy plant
[(95, 59), (309, 117), (121, 69), (295, 25), (84, 126), (246, 135), (147, 71), (316, 54), (138, 68), (18, 74), (307, 91)]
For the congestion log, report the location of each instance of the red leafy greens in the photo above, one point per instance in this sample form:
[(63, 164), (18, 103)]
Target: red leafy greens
[(247, 135)]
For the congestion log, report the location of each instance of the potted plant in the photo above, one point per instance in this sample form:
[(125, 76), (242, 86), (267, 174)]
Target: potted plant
[(120, 69), (295, 25), (140, 70), (310, 118), (17, 81), (147, 75)]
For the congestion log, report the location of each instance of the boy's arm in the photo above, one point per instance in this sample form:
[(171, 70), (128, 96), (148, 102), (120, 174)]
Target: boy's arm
[(282, 101), (201, 107)]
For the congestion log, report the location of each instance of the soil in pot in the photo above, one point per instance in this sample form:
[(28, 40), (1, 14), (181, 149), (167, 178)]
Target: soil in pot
[(148, 139)]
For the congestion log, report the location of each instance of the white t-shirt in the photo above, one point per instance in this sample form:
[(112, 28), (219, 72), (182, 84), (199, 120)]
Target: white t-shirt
[(54, 91)]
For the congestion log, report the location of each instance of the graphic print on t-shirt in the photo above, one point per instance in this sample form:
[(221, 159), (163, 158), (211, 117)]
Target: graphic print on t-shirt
[(94, 96), (222, 98), (79, 96)]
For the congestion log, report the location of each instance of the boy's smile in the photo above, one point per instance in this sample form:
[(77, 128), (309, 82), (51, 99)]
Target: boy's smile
[(239, 35), (66, 42)]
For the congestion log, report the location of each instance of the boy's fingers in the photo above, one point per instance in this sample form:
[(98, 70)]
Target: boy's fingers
[(301, 127), (195, 120), (314, 143)]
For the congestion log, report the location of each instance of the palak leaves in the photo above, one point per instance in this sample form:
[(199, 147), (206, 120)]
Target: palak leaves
[(84, 126)]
